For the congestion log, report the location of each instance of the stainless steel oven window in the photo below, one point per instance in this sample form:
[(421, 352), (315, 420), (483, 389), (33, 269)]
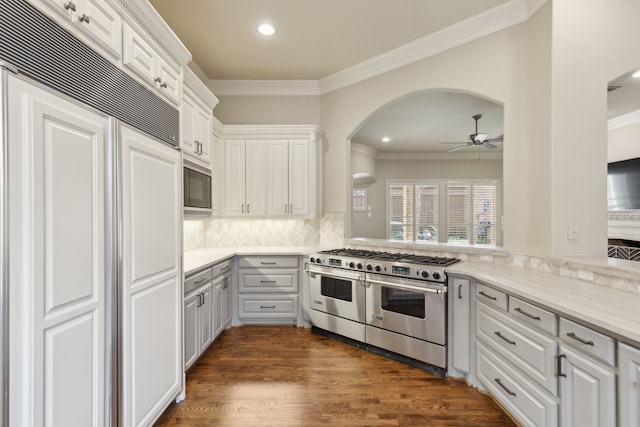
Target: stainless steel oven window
[(403, 301), (336, 288)]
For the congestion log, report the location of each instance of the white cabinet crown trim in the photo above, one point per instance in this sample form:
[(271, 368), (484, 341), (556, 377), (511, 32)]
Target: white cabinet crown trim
[(311, 132)]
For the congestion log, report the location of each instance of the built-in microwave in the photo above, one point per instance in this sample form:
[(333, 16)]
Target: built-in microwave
[(197, 189)]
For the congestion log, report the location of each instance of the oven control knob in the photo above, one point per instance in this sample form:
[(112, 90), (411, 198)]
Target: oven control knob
[(352, 264), (359, 266), (436, 275), (318, 260), (369, 267), (425, 274), (312, 260), (378, 268)]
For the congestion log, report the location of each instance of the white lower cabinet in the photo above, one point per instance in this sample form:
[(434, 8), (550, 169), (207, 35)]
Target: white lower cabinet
[(268, 289), (524, 400), (587, 382), (198, 313), (460, 297), (629, 385)]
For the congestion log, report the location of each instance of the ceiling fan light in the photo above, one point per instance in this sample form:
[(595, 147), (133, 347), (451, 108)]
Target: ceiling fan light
[(478, 137)]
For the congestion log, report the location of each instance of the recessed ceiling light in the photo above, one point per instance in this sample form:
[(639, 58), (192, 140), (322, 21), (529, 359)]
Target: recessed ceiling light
[(266, 30), (386, 139), (636, 75)]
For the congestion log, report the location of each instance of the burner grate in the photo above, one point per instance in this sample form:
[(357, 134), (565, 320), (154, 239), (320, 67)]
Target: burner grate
[(390, 256)]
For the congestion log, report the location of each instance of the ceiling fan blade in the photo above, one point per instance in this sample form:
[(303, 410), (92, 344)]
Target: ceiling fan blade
[(457, 148), (457, 142), (489, 146), (496, 139)]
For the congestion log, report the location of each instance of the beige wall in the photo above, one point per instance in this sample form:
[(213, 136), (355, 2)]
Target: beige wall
[(274, 110)]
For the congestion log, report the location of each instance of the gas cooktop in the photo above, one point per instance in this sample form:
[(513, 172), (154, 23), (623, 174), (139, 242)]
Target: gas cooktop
[(389, 256)]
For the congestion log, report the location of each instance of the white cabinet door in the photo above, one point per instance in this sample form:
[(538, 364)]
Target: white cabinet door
[(218, 311), (191, 347), (207, 317), (203, 132), (301, 170), (151, 322), (97, 18), (629, 385), (256, 173), (57, 222), (170, 83), (460, 301), (278, 177), (189, 112), (234, 178), (226, 302), (587, 391)]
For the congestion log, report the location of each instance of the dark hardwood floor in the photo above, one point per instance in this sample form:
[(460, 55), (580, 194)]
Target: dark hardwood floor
[(288, 376)]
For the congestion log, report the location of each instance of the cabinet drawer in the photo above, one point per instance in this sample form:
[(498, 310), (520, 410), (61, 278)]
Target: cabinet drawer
[(588, 341), (534, 316), (490, 296), (221, 268), (198, 279), (268, 280), (529, 350), (268, 262), (523, 399), (280, 307)]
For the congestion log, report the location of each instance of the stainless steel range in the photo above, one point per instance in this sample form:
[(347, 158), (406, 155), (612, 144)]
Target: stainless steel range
[(389, 302)]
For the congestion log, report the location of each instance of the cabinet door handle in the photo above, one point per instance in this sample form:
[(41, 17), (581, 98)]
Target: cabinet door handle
[(290, 208), (459, 291), (248, 208), (84, 18), (524, 313), (286, 208), (267, 306), (199, 303), (559, 366), (488, 296), (580, 340), (504, 338), (70, 6), (157, 80), (163, 85), (243, 208), (504, 387)]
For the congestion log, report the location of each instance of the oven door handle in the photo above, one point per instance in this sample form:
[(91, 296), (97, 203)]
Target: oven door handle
[(337, 276), (408, 287)]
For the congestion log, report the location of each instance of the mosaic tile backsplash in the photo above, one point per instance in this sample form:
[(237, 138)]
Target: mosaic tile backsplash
[(325, 232)]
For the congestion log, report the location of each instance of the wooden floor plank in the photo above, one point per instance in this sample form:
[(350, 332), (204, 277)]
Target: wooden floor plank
[(287, 376)]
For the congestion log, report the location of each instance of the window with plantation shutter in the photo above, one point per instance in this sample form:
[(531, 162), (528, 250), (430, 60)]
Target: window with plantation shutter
[(463, 212)]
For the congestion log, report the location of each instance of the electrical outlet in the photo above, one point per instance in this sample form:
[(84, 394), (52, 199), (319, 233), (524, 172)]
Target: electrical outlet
[(572, 232)]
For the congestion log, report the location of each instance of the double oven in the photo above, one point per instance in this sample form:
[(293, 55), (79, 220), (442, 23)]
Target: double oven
[(389, 303)]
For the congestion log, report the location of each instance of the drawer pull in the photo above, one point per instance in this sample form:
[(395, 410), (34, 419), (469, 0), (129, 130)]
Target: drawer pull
[(200, 280), (529, 315), (504, 338), (559, 367), (268, 262), (488, 296), (504, 387), (267, 281), (267, 306), (577, 338), (459, 291)]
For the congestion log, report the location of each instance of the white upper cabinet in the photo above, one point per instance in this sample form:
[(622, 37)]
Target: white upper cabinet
[(197, 106), (95, 18), (284, 179), (143, 58)]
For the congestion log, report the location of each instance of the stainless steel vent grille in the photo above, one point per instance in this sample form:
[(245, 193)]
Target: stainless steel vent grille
[(45, 52)]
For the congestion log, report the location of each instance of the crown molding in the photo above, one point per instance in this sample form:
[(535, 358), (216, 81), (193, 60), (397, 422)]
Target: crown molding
[(624, 120), (468, 155), (364, 149), (490, 21), (217, 127), (311, 132), (144, 17), (199, 88), (265, 87)]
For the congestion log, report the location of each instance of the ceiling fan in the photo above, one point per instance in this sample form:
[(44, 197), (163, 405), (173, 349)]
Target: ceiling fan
[(477, 139)]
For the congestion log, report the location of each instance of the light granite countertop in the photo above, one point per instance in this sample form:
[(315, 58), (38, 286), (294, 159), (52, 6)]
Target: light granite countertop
[(612, 311), (198, 259)]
